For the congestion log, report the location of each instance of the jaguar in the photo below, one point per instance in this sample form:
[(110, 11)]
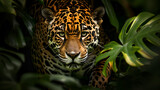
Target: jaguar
[(66, 40)]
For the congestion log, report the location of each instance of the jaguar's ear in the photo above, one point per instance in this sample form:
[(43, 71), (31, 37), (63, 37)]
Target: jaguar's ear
[(48, 14), (98, 14)]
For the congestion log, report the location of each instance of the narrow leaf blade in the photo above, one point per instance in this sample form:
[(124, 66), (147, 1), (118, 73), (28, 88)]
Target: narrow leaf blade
[(111, 14)]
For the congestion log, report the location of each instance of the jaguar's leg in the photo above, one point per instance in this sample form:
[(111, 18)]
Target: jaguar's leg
[(97, 79)]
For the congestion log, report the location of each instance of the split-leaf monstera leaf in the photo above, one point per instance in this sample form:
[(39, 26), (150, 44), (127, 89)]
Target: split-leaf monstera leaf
[(135, 30)]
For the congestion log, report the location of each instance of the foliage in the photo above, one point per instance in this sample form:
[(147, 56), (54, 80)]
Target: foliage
[(111, 14), (10, 62), (6, 6), (132, 35), (12, 38)]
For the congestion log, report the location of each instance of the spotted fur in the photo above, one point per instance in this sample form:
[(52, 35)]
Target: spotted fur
[(66, 38)]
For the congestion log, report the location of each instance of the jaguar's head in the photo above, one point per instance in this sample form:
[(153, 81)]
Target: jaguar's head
[(72, 33)]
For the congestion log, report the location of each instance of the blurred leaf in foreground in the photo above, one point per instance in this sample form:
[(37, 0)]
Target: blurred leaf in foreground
[(10, 63), (6, 6)]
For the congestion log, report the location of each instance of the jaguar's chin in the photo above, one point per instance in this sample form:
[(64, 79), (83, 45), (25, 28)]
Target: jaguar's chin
[(73, 66)]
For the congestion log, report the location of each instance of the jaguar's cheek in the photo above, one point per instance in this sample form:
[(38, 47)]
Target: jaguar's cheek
[(59, 41), (87, 40), (84, 52), (62, 52)]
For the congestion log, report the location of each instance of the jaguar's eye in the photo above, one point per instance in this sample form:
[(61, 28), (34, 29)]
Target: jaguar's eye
[(84, 34), (61, 34)]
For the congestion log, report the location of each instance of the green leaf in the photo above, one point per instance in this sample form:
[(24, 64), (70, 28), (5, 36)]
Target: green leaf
[(5, 74), (6, 6), (134, 31), (123, 33), (22, 2), (138, 21), (41, 1), (114, 50), (9, 85), (27, 19), (129, 55), (89, 88), (32, 80), (69, 81), (111, 14), (50, 85), (148, 32), (19, 55), (11, 62), (112, 47), (15, 38)]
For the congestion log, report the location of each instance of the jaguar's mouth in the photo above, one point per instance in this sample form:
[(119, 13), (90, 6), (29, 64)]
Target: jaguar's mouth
[(73, 66)]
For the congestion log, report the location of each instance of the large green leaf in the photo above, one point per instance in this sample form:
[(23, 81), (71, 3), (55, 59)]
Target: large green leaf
[(52, 82), (111, 14), (10, 62), (15, 38), (19, 56), (66, 80), (9, 85), (22, 2), (132, 35), (27, 20), (114, 50), (6, 6), (32, 80)]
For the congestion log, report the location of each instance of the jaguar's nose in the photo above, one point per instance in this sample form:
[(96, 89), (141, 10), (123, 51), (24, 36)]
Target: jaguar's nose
[(73, 54)]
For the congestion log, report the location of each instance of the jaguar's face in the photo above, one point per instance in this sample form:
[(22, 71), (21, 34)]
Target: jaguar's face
[(72, 34)]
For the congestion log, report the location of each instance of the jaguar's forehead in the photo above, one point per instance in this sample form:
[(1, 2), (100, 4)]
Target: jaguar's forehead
[(72, 20)]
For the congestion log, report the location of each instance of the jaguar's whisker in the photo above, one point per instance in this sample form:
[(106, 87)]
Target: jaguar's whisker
[(100, 45), (101, 42)]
